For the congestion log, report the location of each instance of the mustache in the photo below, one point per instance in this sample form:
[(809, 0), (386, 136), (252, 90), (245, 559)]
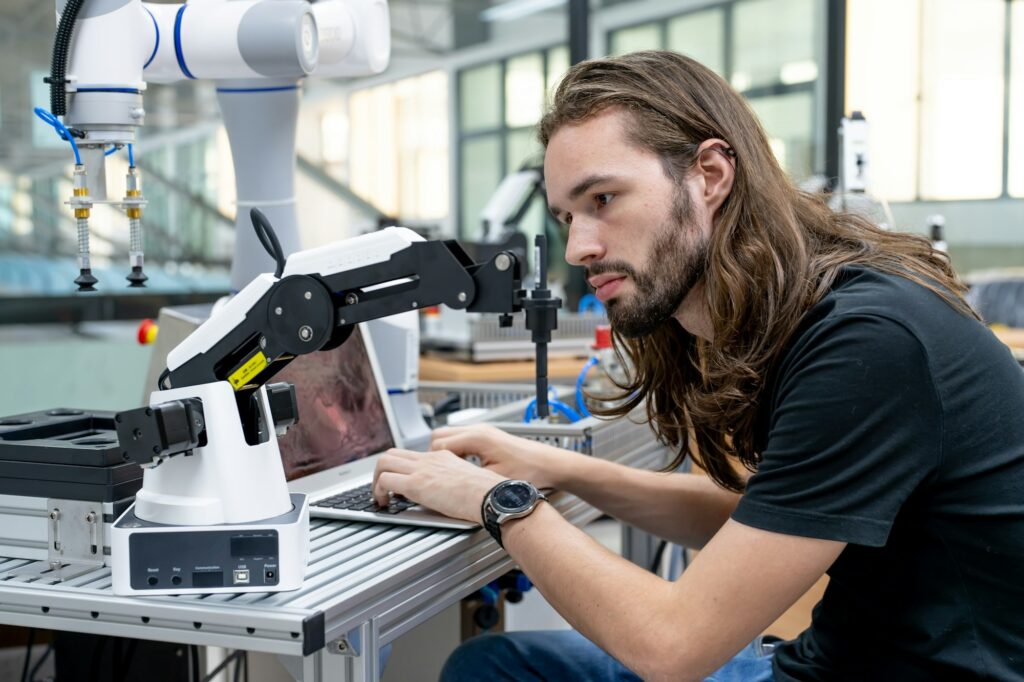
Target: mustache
[(601, 267)]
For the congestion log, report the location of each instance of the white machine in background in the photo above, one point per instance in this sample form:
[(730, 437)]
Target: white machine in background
[(853, 189), (509, 203), (257, 51), (214, 513), (853, 135), (397, 338)]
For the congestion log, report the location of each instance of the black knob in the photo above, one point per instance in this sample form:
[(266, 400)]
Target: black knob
[(486, 616)]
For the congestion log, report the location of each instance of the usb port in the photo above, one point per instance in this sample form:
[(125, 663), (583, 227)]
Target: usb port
[(241, 576)]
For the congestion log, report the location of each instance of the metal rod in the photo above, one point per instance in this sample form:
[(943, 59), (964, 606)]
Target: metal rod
[(541, 291)]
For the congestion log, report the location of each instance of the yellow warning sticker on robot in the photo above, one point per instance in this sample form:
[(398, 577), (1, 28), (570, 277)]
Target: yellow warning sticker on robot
[(249, 369)]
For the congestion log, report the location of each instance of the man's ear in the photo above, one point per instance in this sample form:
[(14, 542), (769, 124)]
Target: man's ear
[(716, 165)]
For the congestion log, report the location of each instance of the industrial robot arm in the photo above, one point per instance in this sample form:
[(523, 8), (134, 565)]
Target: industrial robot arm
[(105, 52), (310, 304)]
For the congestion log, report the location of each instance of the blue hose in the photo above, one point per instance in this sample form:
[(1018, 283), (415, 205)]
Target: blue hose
[(581, 404), (590, 304), (131, 157), (64, 133), (555, 404)]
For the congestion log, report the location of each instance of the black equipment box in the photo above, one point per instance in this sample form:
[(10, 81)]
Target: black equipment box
[(65, 454)]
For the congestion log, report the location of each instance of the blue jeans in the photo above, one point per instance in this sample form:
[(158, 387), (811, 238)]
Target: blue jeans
[(566, 655)]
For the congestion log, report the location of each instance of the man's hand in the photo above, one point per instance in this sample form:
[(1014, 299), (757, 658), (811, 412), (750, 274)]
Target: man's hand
[(438, 479), (511, 456)]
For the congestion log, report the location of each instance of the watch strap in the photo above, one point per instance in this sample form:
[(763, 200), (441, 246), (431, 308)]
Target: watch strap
[(490, 517), (492, 525)]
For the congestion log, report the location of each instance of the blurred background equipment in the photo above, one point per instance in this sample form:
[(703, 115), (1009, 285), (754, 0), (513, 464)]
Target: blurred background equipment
[(256, 52)]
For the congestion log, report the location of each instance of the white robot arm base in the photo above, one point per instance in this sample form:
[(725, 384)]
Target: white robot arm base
[(266, 556), (225, 481)]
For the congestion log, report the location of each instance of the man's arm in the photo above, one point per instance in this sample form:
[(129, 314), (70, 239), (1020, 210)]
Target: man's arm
[(743, 579), (684, 508), (739, 584), (687, 509)]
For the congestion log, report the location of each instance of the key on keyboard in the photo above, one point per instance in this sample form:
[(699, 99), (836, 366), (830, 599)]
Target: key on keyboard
[(361, 499)]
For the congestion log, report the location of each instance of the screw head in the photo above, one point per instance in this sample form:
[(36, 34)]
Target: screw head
[(462, 296), (502, 262), (263, 342), (308, 295), (351, 299), (278, 310), (305, 332)]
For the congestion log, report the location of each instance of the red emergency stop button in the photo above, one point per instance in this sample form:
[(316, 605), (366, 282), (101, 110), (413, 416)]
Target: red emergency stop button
[(147, 332)]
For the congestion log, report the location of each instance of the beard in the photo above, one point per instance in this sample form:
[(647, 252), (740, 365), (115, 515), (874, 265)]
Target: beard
[(675, 264)]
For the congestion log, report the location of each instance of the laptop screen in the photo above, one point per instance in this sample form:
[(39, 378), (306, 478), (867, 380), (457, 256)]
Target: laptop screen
[(342, 414)]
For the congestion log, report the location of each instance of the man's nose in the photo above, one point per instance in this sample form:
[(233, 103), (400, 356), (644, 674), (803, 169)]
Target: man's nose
[(584, 244)]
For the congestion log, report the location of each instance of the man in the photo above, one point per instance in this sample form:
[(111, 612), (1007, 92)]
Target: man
[(836, 361)]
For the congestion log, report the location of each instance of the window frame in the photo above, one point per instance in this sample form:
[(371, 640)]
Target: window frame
[(503, 131), (817, 88)]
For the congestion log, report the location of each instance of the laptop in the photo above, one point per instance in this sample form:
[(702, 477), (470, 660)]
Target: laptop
[(345, 424)]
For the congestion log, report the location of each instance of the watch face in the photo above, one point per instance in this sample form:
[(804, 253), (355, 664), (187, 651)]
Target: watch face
[(514, 496)]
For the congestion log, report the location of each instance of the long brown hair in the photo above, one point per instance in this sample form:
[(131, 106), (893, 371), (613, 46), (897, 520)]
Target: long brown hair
[(774, 252)]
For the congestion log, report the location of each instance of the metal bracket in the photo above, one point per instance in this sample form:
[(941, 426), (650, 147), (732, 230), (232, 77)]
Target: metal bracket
[(349, 644), (343, 646), (75, 532)]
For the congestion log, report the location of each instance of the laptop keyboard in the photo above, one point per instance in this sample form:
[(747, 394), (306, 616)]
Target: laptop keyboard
[(361, 499)]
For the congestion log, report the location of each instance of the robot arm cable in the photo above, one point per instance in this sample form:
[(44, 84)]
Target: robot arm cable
[(268, 238), (59, 59)]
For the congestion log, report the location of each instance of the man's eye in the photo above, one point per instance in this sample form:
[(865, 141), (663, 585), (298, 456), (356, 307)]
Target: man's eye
[(604, 199)]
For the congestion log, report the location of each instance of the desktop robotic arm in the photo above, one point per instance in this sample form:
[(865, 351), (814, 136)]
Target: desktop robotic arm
[(310, 303), (207, 443)]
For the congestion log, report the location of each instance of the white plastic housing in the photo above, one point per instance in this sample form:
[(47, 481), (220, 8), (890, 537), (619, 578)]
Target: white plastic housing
[(227, 481), (293, 557), (234, 40), (348, 254), (92, 62), (355, 37), (224, 318), (163, 68)]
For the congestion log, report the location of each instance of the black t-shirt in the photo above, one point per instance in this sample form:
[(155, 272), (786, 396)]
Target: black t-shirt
[(895, 424)]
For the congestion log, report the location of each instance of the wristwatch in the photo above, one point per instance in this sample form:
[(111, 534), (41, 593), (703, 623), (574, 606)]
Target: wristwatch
[(506, 501)]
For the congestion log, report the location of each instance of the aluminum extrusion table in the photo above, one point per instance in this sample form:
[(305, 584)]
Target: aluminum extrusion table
[(366, 585)]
